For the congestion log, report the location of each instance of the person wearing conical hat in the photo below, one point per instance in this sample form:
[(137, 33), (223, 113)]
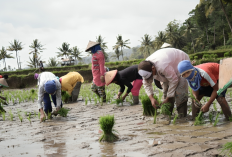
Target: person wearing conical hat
[(124, 78), (48, 85), (98, 68), (203, 79), (162, 66)]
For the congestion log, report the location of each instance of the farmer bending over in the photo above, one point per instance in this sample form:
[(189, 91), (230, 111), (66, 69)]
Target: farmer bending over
[(162, 66), (48, 85), (124, 78), (203, 79), (71, 83), (98, 70)]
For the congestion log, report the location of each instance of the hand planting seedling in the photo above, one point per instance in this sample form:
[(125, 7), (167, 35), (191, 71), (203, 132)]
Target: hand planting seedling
[(226, 149), (199, 119), (106, 124)]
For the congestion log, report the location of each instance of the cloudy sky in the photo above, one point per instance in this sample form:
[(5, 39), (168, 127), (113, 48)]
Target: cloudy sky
[(53, 22)]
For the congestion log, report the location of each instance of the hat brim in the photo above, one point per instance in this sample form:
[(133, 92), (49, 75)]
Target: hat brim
[(109, 77), (90, 45)]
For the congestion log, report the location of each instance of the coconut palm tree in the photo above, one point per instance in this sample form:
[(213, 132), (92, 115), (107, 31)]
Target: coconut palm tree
[(4, 55), (76, 53), (103, 46), (121, 44), (33, 61), (117, 53), (36, 48), (15, 46), (64, 50), (212, 4), (160, 39), (52, 62), (146, 45), (188, 32)]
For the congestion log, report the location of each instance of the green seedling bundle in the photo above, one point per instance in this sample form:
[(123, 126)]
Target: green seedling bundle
[(65, 96), (106, 124), (63, 112), (148, 109), (174, 120), (199, 119)]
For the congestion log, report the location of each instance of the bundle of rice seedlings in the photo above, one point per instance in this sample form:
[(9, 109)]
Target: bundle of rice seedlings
[(174, 120), (199, 119), (63, 112), (165, 109), (148, 109), (65, 96), (226, 149), (106, 124), (155, 117)]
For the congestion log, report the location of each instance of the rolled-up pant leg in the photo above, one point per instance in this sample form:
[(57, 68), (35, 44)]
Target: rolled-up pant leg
[(181, 96), (47, 103), (94, 88), (76, 91)]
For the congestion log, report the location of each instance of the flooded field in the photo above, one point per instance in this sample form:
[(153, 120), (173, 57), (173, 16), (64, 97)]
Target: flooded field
[(77, 134)]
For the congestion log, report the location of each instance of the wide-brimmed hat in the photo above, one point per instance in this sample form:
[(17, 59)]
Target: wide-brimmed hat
[(91, 44), (165, 45), (109, 76), (3, 82)]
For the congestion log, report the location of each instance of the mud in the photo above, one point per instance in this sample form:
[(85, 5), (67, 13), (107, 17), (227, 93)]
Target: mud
[(77, 135)]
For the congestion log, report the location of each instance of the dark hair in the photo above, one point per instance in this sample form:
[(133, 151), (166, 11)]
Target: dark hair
[(5, 76), (145, 65)]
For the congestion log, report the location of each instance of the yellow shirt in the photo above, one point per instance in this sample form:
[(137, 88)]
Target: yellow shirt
[(69, 81)]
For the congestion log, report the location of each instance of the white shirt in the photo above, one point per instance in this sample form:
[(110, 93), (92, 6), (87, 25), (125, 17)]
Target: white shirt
[(42, 79), (165, 61)]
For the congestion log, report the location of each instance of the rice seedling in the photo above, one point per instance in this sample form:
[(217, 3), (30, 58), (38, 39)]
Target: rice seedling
[(216, 119), (11, 116), (215, 106), (65, 96), (226, 149), (160, 96), (35, 114), (148, 109), (25, 113), (63, 112), (106, 124), (49, 115), (199, 119), (211, 117), (29, 119), (29, 114), (20, 117), (155, 115), (86, 101), (174, 120), (3, 115)]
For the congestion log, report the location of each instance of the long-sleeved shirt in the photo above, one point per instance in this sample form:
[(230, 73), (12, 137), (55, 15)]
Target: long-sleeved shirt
[(165, 61), (69, 81), (126, 76), (42, 79), (98, 67)]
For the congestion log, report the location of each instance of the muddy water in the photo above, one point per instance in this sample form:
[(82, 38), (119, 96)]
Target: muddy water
[(78, 134)]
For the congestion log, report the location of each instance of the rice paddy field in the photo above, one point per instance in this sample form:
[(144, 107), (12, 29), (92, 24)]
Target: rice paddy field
[(139, 135)]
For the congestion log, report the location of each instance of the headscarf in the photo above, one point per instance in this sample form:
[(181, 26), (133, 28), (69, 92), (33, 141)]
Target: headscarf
[(194, 78), (50, 87), (95, 48), (36, 75), (144, 74)]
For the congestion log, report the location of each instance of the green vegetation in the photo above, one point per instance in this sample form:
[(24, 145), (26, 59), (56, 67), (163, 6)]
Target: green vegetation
[(148, 109), (199, 119), (174, 120), (155, 115), (65, 96), (106, 124), (63, 112), (216, 119), (226, 149)]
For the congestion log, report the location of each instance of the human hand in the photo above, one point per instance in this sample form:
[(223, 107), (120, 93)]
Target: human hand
[(167, 100), (42, 117), (154, 103), (205, 108), (102, 78)]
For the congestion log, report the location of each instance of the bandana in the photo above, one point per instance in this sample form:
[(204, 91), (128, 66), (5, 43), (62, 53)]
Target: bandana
[(144, 73), (36, 75), (194, 78), (95, 48)]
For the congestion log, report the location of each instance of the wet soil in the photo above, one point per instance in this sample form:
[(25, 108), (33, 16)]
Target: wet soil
[(77, 135)]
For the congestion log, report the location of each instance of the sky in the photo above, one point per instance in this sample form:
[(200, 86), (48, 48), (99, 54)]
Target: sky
[(76, 22)]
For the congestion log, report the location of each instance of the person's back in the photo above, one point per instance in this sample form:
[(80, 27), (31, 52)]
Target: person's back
[(130, 73), (45, 76)]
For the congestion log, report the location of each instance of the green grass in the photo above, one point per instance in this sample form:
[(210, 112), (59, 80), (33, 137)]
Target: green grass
[(106, 124), (226, 149)]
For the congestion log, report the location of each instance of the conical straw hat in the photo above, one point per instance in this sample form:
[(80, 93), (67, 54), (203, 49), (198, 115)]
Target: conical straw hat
[(3, 82), (109, 76), (91, 44)]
